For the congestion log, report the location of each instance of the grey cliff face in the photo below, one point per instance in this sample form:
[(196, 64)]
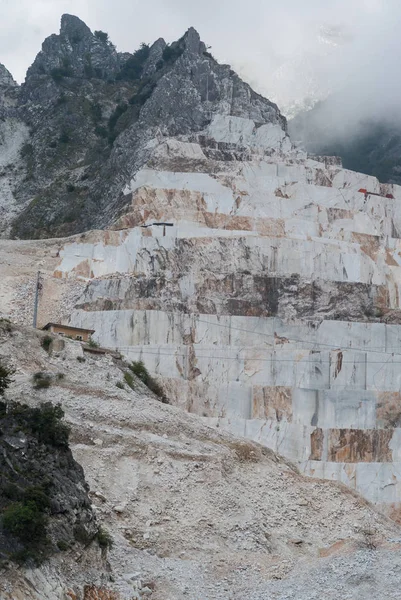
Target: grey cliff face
[(39, 468), (155, 56), (6, 79), (92, 112), (75, 52)]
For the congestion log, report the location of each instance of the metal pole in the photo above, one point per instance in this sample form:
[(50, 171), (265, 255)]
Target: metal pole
[(35, 309)]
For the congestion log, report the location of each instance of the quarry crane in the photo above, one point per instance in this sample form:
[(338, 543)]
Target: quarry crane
[(164, 225)]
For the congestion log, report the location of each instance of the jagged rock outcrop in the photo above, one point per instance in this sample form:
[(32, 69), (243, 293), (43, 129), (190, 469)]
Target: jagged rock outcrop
[(92, 112), (76, 52), (44, 502), (6, 79)]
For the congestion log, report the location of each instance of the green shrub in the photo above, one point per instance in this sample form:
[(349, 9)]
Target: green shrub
[(143, 94), (46, 342), (101, 131), (139, 369), (104, 538), (102, 36), (64, 137), (41, 381), (25, 521), (45, 422), (120, 385), (63, 545), (26, 150), (156, 388), (58, 73), (5, 378), (93, 344), (12, 491), (133, 68), (173, 52), (39, 494), (119, 110), (129, 380)]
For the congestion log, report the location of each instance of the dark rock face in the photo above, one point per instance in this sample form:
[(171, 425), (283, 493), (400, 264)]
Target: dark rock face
[(92, 111), (76, 52), (44, 504), (6, 79)]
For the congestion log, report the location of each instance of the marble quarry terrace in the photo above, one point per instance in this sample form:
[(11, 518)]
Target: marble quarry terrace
[(271, 307)]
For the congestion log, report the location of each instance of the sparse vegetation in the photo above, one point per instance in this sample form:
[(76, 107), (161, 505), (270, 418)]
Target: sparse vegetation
[(45, 422), (26, 150), (173, 52), (119, 110), (93, 344), (120, 385), (5, 378), (62, 545), (369, 538), (46, 342), (144, 92), (27, 522), (27, 485), (104, 539), (41, 380), (129, 380), (102, 36), (64, 70), (64, 137), (139, 369), (133, 68), (81, 359)]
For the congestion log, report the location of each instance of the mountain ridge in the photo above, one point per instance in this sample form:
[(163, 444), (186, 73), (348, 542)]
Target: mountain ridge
[(91, 111)]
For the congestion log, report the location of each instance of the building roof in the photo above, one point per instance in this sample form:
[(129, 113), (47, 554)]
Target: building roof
[(68, 327)]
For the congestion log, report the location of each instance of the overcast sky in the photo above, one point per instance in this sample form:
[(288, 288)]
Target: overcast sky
[(286, 49)]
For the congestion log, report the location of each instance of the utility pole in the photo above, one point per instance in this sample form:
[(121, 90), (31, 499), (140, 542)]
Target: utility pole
[(35, 308)]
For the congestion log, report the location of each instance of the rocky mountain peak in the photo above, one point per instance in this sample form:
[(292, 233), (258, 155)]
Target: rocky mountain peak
[(5, 77), (193, 43), (99, 111), (155, 56), (72, 27), (75, 52)]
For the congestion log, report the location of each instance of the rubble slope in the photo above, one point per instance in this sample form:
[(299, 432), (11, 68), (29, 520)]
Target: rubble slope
[(194, 512)]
